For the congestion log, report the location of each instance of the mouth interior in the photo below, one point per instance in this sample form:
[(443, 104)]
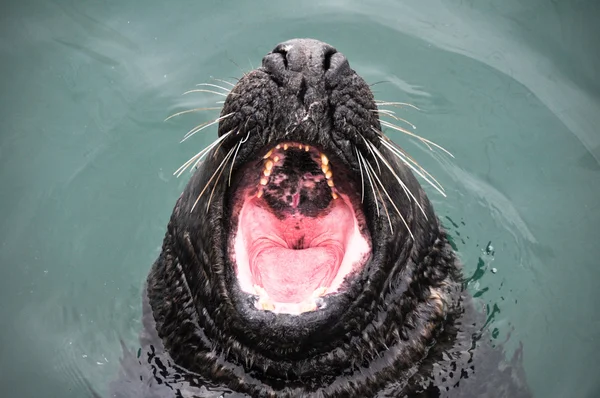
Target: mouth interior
[(299, 234)]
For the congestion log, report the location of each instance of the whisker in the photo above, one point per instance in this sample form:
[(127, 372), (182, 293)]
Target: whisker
[(396, 104), (224, 81), (218, 178), (213, 108), (201, 90), (421, 171), (370, 150), (362, 180), (202, 126), (214, 85), (370, 182), (424, 140), (391, 201), (236, 151), (402, 184), (211, 178), (198, 157), (382, 202), (391, 114)]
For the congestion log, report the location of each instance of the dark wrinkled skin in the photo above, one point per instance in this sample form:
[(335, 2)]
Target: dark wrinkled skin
[(385, 336)]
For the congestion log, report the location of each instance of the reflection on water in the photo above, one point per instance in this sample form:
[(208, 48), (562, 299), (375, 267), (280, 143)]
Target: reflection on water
[(86, 161)]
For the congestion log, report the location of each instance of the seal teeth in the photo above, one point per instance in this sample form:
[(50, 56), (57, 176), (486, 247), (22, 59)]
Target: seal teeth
[(308, 306), (267, 172), (324, 160), (269, 164), (330, 182), (268, 155), (264, 180), (266, 304), (334, 195), (319, 292), (285, 147), (328, 174)]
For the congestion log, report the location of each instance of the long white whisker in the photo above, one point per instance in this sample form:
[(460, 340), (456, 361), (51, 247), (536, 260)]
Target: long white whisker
[(406, 190), (213, 108), (236, 151), (211, 178), (419, 171), (224, 81), (198, 157), (424, 140), (391, 114), (218, 177), (198, 90), (401, 153), (396, 104), (370, 150), (214, 85), (391, 201), (370, 183), (362, 179), (387, 213), (204, 125)]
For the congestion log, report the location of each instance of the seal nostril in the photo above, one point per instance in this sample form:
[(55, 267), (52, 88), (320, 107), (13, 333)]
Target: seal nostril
[(327, 58), (283, 53)]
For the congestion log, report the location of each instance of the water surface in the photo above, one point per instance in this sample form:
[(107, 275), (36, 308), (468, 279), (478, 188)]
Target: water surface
[(86, 161)]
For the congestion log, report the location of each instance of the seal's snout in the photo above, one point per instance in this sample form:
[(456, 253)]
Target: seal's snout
[(311, 58)]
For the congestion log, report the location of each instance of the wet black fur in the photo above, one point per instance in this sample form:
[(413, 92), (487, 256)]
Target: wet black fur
[(384, 336)]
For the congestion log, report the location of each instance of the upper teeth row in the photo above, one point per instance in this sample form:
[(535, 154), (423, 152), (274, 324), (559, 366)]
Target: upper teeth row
[(272, 161)]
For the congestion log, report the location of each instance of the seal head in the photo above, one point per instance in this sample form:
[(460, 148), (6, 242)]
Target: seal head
[(303, 256)]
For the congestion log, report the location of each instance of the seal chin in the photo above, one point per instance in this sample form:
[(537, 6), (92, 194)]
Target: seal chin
[(301, 230)]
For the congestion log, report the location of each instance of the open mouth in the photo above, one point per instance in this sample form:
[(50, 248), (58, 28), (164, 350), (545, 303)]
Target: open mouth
[(300, 231)]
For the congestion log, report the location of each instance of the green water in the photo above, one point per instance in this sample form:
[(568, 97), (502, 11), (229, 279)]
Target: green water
[(86, 161)]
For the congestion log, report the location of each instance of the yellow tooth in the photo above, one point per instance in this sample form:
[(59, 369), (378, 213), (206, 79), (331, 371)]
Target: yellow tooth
[(285, 147), (278, 146), (308, 306), (259, 290), (328, 174), (300, 146), (268, 154), (267, 173), (324, 160), (307, 148), (276, 159), (266, 305), (259, 194), (330, 183), (324, 168), (320, 292), (334, 195), (269, 165), (264, 180)]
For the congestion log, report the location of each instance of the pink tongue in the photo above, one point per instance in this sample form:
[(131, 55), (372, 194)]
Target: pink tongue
[(291, 276)]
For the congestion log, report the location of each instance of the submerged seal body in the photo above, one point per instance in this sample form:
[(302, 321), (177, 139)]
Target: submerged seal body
[(304, 259)]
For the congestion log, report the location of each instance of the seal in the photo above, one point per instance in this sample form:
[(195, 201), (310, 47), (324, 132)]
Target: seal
[(304, 258)]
